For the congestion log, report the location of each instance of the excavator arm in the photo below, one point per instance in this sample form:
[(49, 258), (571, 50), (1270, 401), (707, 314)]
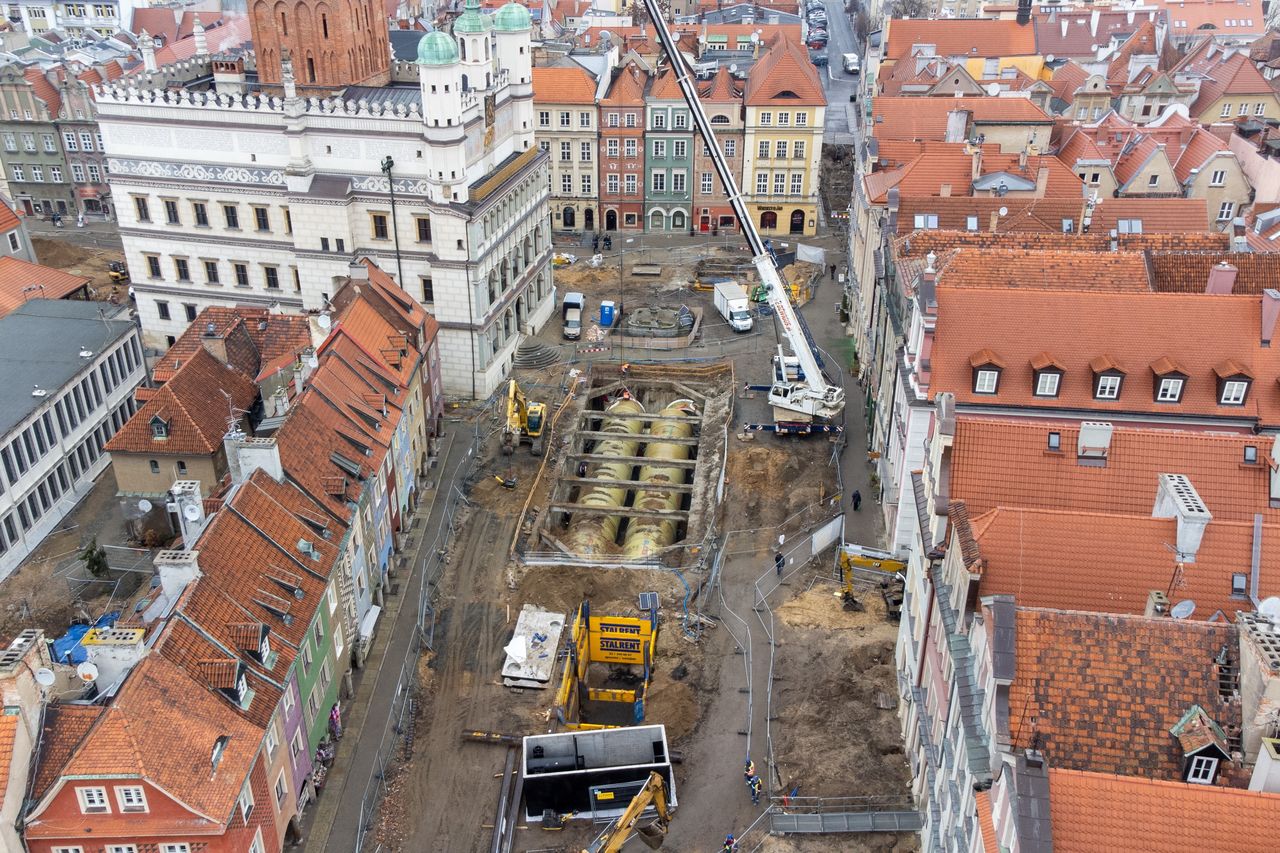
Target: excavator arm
[(616, 834), (799, 385)]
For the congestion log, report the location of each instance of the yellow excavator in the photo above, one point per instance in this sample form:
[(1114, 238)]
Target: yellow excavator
[(525, 421), (652, 835), (861, 557)]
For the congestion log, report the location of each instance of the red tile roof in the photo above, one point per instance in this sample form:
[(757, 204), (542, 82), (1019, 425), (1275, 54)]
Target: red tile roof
[(196, 403), (665, 87), (44, 90), (1236, 75), (723, 88), (1043, 215), (1192, 17), (1100, 692), (21, 280), (1158, 215), (784, 76), (9, 218), (254, 336), (920, 243), (563, 85), (1004, 463), (966, 37), (1035, 269), (1090, 812), (1067, 560), (986, 823), (942, 168), (926, 118), (64, 727), (8, 733), (1141, 43), (1067, 80), (1078, 34), (1188, 272), (627, 88), (1136, 329), (160, 706), (1202, 148), (1127, 166)]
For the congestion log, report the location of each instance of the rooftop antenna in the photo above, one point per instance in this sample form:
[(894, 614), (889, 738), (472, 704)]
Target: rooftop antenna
[(234, 432)]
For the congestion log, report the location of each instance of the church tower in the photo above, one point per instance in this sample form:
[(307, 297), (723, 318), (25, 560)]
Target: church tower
[(332, 43)]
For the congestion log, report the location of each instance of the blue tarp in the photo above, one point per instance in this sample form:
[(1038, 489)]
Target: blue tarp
[(67, 648)]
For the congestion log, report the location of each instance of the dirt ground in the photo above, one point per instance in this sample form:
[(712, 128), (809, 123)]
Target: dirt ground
[(754, 470), (839, 669), (78, 260)]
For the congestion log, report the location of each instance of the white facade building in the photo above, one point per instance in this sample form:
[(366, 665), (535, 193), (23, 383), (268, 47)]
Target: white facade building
[(70, 372), (229, 192), (38, 16)]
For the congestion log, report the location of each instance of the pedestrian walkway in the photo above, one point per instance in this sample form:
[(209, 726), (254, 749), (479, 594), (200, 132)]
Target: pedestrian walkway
[(336, 816)]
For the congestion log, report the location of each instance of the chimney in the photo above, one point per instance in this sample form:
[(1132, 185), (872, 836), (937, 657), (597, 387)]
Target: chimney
[(148, 47), (1022, 160), (1270, 311), (1266, 772), (1024, 12), (1157, 604), (1177, 498), (114, 651), (1093, 444), (19, 689), (976, 171), (202, 41), (214, 344), (190, 507), (1093, 22), (228, 77), (357, 271), (246, 455), (957, 125), (995, 221), (1239, 242), (176, 570), (1222, 278), (1259, 686), (1042, 181)]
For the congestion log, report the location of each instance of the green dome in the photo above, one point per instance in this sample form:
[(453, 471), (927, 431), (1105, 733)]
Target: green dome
[(437, 48), (472, 20), (512, 18)]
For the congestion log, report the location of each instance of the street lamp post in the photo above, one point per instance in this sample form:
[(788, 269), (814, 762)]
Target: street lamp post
[(387, 165)]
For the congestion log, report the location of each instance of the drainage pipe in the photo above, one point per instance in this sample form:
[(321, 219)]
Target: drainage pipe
[(647, 536), (592, 535)]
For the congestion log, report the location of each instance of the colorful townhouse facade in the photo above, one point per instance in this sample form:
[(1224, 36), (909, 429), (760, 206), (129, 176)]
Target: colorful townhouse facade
[(622, 156), (668, 157), (567, 116), (722, 99)]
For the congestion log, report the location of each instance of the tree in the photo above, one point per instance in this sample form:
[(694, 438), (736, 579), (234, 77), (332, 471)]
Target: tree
[(910, 9), (94, 557)]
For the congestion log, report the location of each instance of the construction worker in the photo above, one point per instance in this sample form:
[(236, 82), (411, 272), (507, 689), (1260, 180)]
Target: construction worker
[(748, 771), (626, 369), (756, 787), (729, 845), (857, 500), (778, 562)]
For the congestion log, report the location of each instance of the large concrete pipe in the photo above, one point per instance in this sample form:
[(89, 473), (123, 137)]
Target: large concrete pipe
[(647, 536), (593, 534)]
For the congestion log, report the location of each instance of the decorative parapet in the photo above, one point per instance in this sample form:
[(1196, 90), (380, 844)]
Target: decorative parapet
[(376, 184), (186, 98), (196, 172)]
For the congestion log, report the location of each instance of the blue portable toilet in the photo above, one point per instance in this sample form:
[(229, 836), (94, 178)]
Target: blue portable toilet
[(606, 314)]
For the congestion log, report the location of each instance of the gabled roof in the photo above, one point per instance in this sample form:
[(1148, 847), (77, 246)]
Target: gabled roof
[(1065, 33), (1100, 811), (1237, 75), (723, 88), (926, 118), (64, 727), (44, 90), (665, 87), (1136, 329), (21, 280), (1135, 159), (1003, 462), (196, 404), (627, 88), (1141, 43), (9, 218), (563, 85), (1100, 692), (784, 76), (1080, 146), (1067, 559), (1214, 20), (1067, 79), (1202, 148), (160, 706), (254, 337), (986, 38), (940, 165)]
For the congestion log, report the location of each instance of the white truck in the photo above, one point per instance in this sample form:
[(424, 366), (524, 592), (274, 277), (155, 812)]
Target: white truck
[(571, 311), (731, 302)]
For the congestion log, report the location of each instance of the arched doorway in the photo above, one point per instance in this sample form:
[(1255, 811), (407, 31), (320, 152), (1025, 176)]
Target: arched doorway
[(677, 221), (769, 220), (567, 217), (657, 221), (588, 220), (797, 222), (611, 220)]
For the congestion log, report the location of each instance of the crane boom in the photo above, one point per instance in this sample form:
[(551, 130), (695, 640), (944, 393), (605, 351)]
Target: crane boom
[(799, 385)]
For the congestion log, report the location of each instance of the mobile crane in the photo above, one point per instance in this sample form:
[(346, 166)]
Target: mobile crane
[(802, 399), (616, 834), (525, 420)]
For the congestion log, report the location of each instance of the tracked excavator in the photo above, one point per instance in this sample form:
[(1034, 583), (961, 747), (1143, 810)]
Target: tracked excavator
[(525, 421), (802, 398), (652, 835)]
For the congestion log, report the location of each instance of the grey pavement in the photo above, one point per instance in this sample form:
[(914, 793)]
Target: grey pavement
[(94, 235), (334, 823)]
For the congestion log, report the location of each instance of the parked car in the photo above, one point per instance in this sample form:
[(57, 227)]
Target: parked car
[(817, 42), (818, 58)]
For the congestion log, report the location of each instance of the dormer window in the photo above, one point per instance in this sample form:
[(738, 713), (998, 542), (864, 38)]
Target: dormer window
[(1234, 380), (1108, 378), (1048, 375), (1170, 381), (987, 367), (159, 427)]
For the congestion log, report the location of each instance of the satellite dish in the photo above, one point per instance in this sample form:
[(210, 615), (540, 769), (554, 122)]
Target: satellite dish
[(1004, 211), (1049, 59), (88, 672), (144, 505), (1183, 609), (1270, 608), (45, 677), (755, 38), (323, 321), (191, 512), (313, 362)]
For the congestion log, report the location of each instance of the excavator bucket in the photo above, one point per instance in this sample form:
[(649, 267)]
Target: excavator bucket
[(652, 835)]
